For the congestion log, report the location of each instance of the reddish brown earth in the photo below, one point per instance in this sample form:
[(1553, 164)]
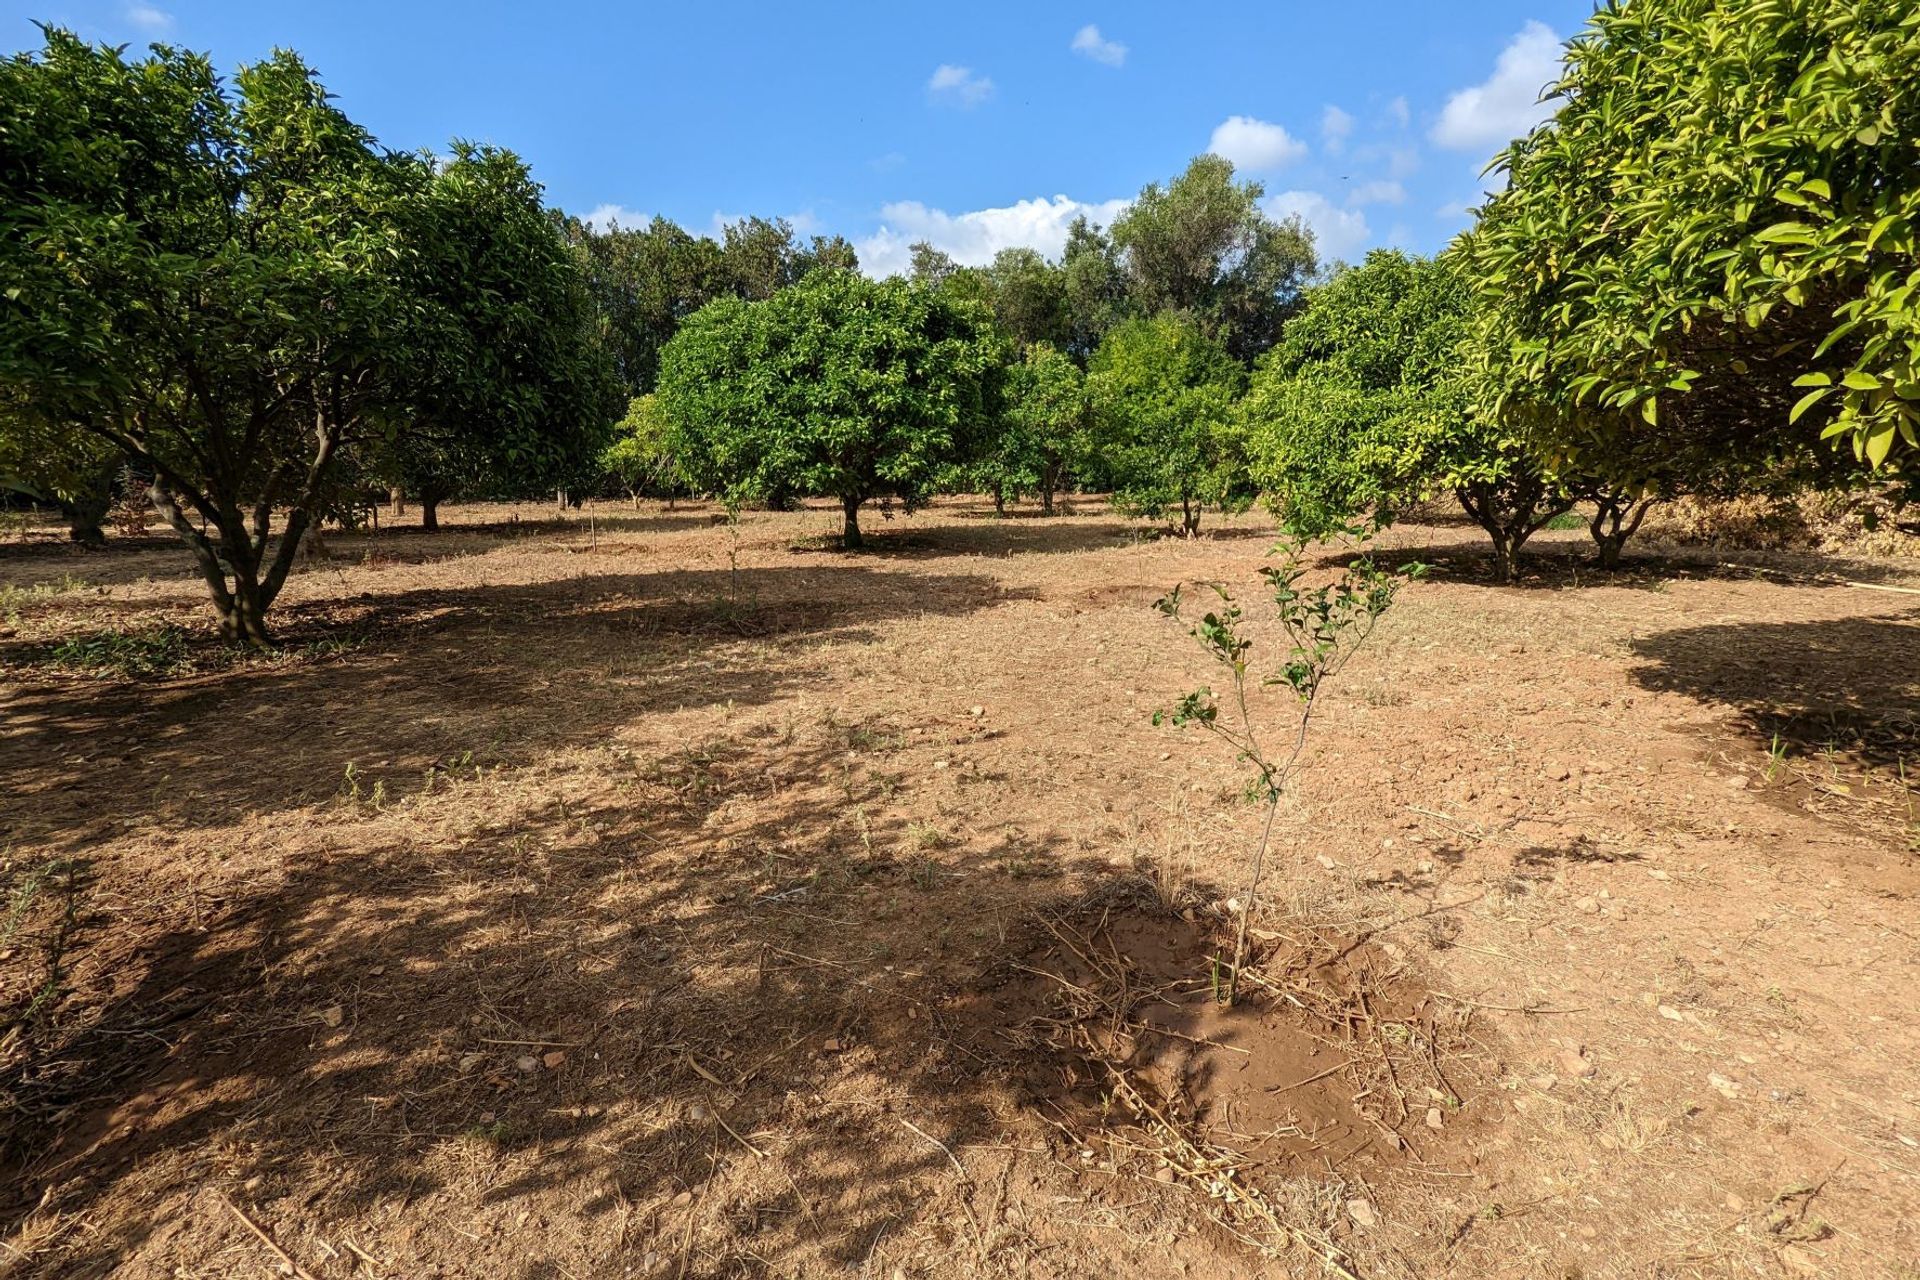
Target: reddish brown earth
[(649, 900)]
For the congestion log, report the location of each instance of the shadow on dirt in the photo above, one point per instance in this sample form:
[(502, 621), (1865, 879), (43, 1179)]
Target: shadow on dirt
[(648, 1016), (1848, 685), (487, 674)]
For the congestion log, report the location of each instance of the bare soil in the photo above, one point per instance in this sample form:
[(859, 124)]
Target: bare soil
[(649, 897)]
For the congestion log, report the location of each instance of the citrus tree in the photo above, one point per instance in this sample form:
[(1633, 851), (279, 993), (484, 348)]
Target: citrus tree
[(230, 283), (838, 385), (1706, 260), (1165, 426), (1044, 420), (1368, 404)]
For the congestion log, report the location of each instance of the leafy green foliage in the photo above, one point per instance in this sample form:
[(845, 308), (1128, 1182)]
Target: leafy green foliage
[(1368, 404), (1324, 626), (1706, 259), (233, 285), (518, 394), (1202, 246), (838, 385), (1165, 424), (640, 458), (1043, 432)]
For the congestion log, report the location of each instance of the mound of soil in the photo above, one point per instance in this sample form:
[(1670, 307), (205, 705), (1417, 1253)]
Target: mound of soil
[(1117, 1025)]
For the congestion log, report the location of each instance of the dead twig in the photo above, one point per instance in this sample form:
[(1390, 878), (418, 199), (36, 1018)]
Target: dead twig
[(260, 1233)]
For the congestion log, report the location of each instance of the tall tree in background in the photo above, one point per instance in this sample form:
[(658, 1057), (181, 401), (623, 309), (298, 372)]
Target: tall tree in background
[(1203, 246), (1706, 260), (1093, 286), (839, 385), (644, 282), (1029, 297)]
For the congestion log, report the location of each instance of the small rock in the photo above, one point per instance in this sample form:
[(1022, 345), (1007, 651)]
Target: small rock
[(554, 1059), (1164, 1173), (1327, 862), (468, 1061), (1672, 1014), (333, 1015), (1800, 1260), (682, 1200), (377, 971), (831, 1046), (527, 1063), (1574, 1063), (1586, 906), (1735, 1203), (976, 712), (941, 764), (1726, 1088), (1560, 774), (1658, 874), (1361, 1211), (697, 1113), (1434, 1118)]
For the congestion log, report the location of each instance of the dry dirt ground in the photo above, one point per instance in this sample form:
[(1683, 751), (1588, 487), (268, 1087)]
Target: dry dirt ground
[(658, 899)]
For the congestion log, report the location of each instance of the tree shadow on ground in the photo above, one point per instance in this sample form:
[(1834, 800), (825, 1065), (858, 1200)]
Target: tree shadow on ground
[(1849, 685), (1558, 566), (653, 1021), (484, 674)]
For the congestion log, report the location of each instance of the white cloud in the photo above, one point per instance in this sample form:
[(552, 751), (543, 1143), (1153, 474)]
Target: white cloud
[(1507, 104), (1337, 233), (1336, 126), (608, 216), (148, 18), (1255, 145), (959, 85), (889, 161), (972, 238), (1088, 42), (1380, 191)]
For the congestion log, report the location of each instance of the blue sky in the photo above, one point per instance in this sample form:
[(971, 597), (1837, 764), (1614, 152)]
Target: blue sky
[(975, 126)]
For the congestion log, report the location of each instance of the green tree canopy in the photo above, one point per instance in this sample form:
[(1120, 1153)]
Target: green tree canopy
[(1706, 259), (1166, 428), (1202, 245), (222, 280), (640, 457), (1367, 404), (518, 394), (1045, 419), (839, 385)]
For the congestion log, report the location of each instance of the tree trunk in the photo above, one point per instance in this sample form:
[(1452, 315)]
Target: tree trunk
[(999, 503), (1616, 517), (244, 618), (398, 498), (1189, 517), (429, 513), (84, 517), (850, 533)]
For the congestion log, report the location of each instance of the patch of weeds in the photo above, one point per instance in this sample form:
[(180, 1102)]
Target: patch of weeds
[(1567, 520), (924, 835), (874, 736), (13, 597), (1023, 864), (923, 873), (43, 904), (1776, 760), (146, 653)]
